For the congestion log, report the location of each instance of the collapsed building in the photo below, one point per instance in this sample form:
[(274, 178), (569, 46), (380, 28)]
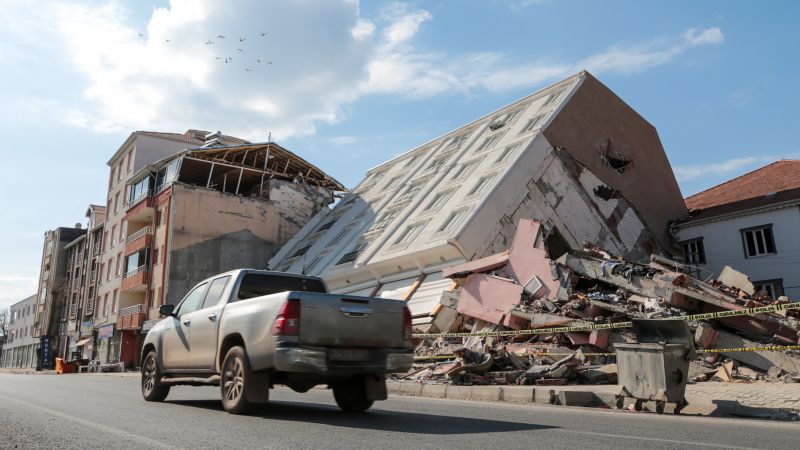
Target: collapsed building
[(573, 156)]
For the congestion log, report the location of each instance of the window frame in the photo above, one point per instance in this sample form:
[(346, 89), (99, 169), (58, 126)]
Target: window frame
[(776, 285), (204, 286), (766, 242), (702, 260)]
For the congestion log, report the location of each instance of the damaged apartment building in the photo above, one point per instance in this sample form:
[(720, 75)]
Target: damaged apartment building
[(203, 211), (572, 156)]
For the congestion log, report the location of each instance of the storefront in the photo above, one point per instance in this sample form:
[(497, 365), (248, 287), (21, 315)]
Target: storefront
[(107, 348)]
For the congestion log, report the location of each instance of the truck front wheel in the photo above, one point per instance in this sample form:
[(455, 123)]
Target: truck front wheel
[(152, 390), (351, 395)]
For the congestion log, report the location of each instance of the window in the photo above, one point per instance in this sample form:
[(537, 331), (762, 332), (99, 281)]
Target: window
[(506, 153), (111, 178), (353, 254), (436, 164), (481, 186), (114, 302), (465, 169), (158, 217), (452, 221), (457, 141), (326, 226), (393, 182), (113, 235), (552, 98), (302, 251), (439, 200), (215, 292), (384, 221), (116, 203), (412, 190), (411, 161), (339, 237), (694, 252), (119, 171), (533, 123), (108, 269), (488, 143), (104, 241), (772, 288), (314, 262), (410, 233), (122, 228), (118, 266), (155, 256), (257, 285), (758, 241), (193, 300), (130, 159)]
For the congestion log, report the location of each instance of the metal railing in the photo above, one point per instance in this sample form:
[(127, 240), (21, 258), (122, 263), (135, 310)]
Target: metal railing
[(136, 271), (138, 198), (143, 232), (131, 310)]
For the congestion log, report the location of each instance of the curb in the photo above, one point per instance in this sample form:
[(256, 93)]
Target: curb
[(557, 395)]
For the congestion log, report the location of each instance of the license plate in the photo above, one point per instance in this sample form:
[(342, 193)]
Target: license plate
[(348, 354)]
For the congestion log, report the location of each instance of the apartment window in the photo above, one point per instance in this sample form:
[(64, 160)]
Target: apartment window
[(758, 241), (481, 186), (457, 141), (773, 288), (130, 159), (410, 233), (118, 266), (452, 221), (104, 241), (105, 304), (506, 153), (123, 226), (108, 269), (465, 169), (694, 252), (488, 143), (392, 182), (533, 123), (384, 221), (411, 161), (114, 302), (552, 98), (155, 256), (111, 178), (113, 235), (353, 254), (439, 200), (158, 217), (163, 255), (119, 171), (302, 251), (116, 203), (327, 225), (412, 190)]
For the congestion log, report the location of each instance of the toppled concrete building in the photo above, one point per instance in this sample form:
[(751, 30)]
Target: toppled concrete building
[(573, 156)]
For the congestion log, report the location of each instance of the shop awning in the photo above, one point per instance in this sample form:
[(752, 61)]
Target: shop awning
[(82, 342)]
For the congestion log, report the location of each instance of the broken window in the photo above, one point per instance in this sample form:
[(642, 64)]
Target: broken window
[(533, 123), (410, 233), (353, 254), (772, 288), (758, 241), (693, 251)]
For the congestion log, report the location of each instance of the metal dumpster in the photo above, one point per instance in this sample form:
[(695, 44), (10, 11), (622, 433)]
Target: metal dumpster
[(656, 367)]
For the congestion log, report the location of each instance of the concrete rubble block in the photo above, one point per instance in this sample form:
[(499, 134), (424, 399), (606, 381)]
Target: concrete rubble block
[(546, 320), (488, 298), (414, 389), (544, 396), (576, 398), (477, 265), (734, 278), (459, 392), (528, 260), (518, 394), (486, 393), (434, 390), (708, 337)]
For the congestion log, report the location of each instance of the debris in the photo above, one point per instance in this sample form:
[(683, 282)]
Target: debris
[(736, 279)]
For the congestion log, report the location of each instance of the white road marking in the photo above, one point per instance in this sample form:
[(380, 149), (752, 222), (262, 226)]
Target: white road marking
[(642, 438), (100, 427)]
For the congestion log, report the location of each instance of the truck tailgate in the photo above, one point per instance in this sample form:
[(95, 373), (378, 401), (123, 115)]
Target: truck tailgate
[(334, 320)]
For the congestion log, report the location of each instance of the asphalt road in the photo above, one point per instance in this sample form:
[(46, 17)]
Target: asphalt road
[(90, 411)]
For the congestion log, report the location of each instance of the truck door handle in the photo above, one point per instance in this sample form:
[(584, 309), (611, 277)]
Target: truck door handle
[(355, 311), (212, 317), (186, 321)]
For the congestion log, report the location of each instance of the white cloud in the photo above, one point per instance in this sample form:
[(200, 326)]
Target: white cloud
[(16, 287), (694, 37), (316, 58), (343, 140), (721, 169)]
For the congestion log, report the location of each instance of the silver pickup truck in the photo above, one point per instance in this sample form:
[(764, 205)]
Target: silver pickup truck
[(248, 330)]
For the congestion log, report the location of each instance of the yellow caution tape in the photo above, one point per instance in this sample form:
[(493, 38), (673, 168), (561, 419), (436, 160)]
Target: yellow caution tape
[(612, 326), (769, 348)]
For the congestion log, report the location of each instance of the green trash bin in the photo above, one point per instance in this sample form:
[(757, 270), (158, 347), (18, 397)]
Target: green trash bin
[(656, 367)]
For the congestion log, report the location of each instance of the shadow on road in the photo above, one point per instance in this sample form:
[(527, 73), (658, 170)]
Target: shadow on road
[(379, 420)]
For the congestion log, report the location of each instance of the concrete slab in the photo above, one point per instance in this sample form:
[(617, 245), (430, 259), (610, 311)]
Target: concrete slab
[(544, 396), (518, 394), (459, 392), (414, 389), (434, 390), (576, 398), (486, 393)]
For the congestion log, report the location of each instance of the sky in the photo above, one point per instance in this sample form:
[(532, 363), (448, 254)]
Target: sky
[(348, 85)]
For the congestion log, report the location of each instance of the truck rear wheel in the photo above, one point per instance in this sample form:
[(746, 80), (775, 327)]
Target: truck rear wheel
[(351, 395), (235, 381), (152, 390)]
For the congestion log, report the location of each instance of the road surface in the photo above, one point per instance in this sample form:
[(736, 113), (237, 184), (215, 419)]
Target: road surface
[(95, 411)]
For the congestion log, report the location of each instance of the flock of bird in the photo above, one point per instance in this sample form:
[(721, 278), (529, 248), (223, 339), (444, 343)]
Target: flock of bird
[(229, 59)]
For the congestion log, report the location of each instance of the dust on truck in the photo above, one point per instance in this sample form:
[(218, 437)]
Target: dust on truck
[(249, 330)]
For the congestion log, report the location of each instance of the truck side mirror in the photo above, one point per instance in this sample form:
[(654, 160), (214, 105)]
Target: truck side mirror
[(166, 310)]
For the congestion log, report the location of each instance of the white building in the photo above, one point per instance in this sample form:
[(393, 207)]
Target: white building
[(573, 156), (20, 347), (750, 223)]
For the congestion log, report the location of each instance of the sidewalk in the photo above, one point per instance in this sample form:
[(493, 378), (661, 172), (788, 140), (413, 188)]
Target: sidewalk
[(759, 400)]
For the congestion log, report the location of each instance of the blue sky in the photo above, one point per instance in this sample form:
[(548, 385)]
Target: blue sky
[(351, 85)]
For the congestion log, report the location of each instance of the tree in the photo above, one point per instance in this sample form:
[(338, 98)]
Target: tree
[(5, 317)]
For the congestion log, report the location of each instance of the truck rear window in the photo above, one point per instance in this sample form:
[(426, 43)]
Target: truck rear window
[(256, 285)]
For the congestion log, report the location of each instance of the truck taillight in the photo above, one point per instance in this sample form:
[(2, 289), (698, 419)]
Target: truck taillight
[(406, 323), (288, 321)]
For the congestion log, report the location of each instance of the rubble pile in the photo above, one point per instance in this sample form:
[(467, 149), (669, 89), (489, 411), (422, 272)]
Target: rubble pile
[(520, 317)]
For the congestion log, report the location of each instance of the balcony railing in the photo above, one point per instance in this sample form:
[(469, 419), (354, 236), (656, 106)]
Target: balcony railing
[(143, 195), (131, 310), (131, 318), (136, 271), (143, 232)]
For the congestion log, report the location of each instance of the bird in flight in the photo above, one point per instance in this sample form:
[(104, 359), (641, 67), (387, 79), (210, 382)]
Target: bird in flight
[(228, 59), (259, 61), (248, 70), (241, 39), (263, 33), (240, 50), (140, 34), (221, 36), (221, 58), (209, 42), (167, 40)]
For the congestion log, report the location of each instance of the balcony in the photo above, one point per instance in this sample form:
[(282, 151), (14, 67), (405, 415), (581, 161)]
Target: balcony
[(131, 318), (140, 208), (139, 240), (136, 280)]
